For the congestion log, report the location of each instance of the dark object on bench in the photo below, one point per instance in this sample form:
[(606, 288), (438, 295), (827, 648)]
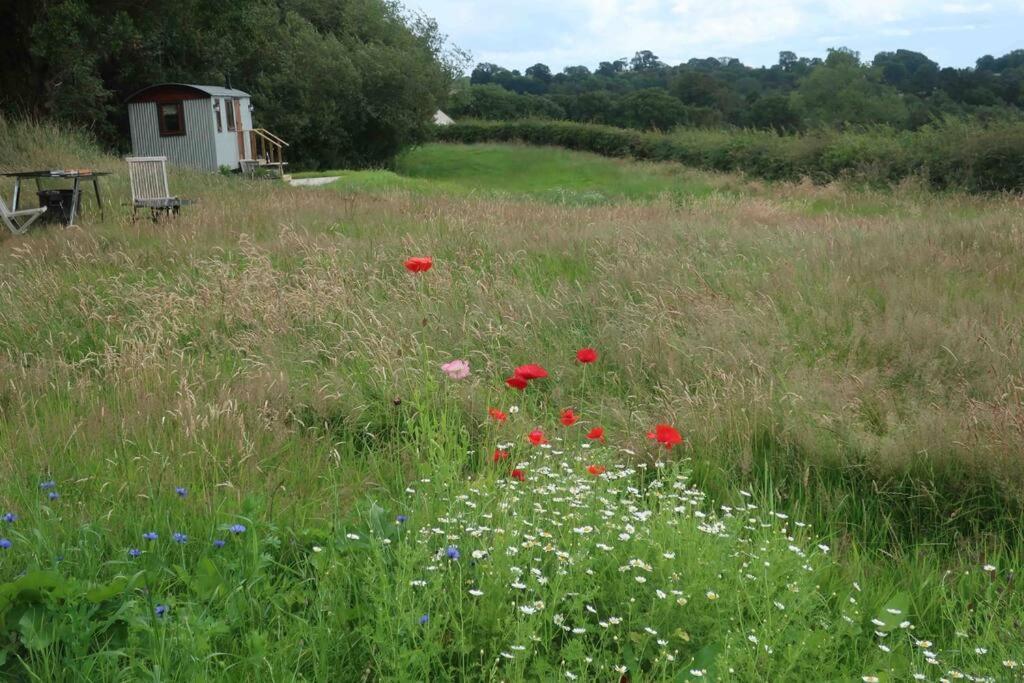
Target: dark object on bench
[(59, 205)]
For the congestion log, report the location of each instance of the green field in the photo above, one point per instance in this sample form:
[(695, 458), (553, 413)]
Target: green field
[(541, 173), (844, 365)]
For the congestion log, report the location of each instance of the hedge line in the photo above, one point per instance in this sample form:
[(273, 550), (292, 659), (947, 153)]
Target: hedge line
[(950, 154)]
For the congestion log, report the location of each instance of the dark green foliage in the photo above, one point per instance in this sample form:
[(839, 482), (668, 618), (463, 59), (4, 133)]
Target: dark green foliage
[(494, 103), (902, 89), (653, 109), (950, 154), (346, 82), (842, 92), (774, 112)]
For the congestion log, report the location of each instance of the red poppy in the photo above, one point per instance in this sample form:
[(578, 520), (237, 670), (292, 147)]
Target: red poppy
[(569, 418), (519, 475), (587, 355), (497, 414), (597, 470), (666, 435), (536, 437), (516, 382), (597, 433), (500, 455), (419, 264), (530, 371)]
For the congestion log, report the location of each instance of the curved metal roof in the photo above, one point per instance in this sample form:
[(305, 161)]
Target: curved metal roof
[(210, 90)]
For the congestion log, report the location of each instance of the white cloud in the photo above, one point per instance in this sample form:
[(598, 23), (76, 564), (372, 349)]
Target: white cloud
[(947, 29), (517, 33), (965, 8)]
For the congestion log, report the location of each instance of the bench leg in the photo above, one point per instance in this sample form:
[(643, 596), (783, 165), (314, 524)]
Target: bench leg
[(99, 201), (76, 195)]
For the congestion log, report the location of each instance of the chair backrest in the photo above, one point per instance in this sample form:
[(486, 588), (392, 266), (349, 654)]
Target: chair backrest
[(149, 177)]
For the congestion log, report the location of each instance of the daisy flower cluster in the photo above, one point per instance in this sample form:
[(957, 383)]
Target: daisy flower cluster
[(630, 572)]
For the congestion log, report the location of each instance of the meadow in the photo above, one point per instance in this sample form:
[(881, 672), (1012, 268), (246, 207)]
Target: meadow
[(229, 450)]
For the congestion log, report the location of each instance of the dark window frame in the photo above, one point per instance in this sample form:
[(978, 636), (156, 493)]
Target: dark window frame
[(229, 113), (217, 106), (164, 131)]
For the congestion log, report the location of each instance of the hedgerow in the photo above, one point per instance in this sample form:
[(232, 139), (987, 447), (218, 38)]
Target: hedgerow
[(947, 155)]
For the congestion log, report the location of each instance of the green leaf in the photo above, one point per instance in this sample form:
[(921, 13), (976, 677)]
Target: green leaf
[(100, 593), (706, 660), (28, 589), (36, 629), (207, 580), (892, 613)]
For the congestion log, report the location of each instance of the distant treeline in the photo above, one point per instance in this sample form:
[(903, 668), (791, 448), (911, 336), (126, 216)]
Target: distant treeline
[(952, 154), (902, 89), (346, 82)]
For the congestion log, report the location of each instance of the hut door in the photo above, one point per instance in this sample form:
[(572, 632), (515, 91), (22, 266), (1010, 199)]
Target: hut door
[(240, 128)]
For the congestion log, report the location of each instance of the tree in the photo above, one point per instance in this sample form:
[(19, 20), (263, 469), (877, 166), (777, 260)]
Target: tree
[(612, 68), (697, 89), (592, 107), (486, 72), (842, 91), (651, 109), (645, 60), (908, 71), (495, 103), (787, 60), (346, 83), (541, 72), (774, 112), (576, 72)]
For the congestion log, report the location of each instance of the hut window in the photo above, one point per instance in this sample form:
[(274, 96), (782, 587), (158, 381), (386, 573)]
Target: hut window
[(216, 115), (229, 112), (172, 118)]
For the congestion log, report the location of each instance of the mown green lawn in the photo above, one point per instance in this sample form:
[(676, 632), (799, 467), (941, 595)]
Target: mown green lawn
[(545, 173)]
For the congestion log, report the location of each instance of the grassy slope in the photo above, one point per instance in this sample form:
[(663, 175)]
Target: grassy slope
[(255, 351)]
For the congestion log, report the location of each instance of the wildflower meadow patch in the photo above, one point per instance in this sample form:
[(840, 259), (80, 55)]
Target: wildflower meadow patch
[(738, 432), (562, 557)]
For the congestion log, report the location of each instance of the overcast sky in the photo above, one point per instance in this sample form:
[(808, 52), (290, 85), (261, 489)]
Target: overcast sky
[(519, 33)]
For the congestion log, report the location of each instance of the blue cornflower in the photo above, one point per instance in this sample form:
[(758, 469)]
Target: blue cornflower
[(51, 484), (10, 517), (181, 491), (218, 543), (150, 536), (134, 552), (161, 610), (401, 519), (53, 495), (4, 543), (424, 619), (452, 552), (237, 528), (179, 537)]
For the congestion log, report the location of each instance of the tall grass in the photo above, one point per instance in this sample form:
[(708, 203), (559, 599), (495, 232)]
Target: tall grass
[(850, 360)]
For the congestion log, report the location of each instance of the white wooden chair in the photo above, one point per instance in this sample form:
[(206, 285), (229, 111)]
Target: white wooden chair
[(149, 186), (19, 221)]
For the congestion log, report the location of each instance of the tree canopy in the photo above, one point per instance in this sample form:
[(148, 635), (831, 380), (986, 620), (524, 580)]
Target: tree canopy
[(346, 82), (903, 89)]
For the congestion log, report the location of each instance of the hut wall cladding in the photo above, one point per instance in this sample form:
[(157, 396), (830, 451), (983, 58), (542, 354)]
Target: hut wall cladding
[(195, 148)]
